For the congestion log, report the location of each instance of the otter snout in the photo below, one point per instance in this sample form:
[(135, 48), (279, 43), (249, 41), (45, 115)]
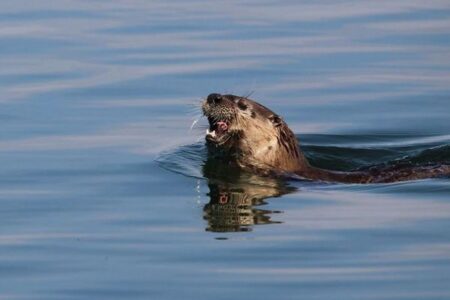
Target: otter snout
[(214, 98), (218, 107)]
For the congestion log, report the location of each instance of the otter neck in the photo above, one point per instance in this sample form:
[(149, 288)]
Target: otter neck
[(305, 170)]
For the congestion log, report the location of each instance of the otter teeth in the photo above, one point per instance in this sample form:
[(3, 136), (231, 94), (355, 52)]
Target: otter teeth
[(221, 127), (211, 133)]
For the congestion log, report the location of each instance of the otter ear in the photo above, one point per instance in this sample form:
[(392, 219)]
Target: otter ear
[(276, 120), (241, 104)]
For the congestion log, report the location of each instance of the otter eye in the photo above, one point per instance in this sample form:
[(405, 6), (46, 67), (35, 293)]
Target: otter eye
[(242, 105), (276, 120)]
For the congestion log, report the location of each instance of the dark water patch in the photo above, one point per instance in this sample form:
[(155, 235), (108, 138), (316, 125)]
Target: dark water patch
[(38, 78), (436, 188), (161, 27), (186, 160), (40, 45)]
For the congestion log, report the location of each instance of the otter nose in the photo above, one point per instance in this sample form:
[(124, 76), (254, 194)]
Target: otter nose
[(214, 98)]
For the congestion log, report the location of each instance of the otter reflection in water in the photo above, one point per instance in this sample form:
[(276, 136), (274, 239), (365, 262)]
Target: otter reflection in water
[(235, 197)]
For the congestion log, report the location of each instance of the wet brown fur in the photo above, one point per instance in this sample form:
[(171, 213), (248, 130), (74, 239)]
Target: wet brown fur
[(259, 140)]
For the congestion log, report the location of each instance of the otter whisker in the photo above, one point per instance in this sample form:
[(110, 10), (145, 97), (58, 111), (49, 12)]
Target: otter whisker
[(195, 106), (196, 103), (195, 121), (248, 95), (193, 124)]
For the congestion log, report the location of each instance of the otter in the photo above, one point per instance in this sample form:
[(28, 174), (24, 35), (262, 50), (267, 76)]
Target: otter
[(247, 134)]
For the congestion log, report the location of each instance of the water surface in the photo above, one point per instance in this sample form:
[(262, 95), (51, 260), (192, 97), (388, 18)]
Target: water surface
[(106, 192)]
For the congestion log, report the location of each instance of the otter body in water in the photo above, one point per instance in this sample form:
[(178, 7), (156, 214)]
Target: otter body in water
[(251, 136)]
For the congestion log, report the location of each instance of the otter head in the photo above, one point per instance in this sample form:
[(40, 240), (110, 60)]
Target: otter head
[(221, 113), (251, 134)]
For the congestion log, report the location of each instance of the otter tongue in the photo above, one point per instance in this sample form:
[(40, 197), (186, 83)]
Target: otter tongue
[(222, 126)]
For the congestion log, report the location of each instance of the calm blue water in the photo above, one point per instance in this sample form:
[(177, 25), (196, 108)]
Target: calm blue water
[(105, 191)]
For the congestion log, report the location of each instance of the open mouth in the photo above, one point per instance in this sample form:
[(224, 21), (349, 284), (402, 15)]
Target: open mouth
[(217, 131)]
